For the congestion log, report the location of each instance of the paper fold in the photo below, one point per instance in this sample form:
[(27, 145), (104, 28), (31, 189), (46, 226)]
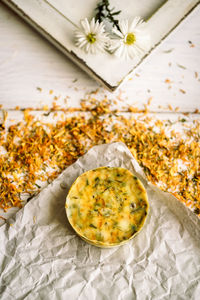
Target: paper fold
[(41, 257)]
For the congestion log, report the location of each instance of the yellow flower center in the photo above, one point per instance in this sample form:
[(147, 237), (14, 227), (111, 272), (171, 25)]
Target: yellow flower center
[(130, 39), (91, 38)]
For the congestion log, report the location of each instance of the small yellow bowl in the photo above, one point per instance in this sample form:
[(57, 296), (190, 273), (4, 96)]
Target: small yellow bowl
[(107, 206)]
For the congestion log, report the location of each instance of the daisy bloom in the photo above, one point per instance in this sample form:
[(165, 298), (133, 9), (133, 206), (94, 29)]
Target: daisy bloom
[(131, 40), (91, 37)]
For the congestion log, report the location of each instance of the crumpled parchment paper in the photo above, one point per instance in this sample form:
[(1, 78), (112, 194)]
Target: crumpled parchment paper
[(42, 258)]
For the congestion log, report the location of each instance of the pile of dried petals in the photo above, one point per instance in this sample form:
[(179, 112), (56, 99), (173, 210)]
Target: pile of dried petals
[(34, 151)]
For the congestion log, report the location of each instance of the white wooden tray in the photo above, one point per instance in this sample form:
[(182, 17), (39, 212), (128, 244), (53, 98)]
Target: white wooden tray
[(54, 18)]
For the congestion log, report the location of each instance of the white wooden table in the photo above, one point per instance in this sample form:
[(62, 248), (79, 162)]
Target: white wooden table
[(33, 72), (27, 61)]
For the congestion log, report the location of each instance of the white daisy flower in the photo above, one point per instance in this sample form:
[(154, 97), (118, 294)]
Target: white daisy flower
[(132, 39), (91, 37)]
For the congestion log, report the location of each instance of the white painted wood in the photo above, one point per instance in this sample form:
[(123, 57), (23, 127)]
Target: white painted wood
[(27, 61), (128, 8), (106, 68)]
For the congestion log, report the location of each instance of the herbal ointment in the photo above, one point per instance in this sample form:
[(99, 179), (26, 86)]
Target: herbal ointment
[(107, 206)]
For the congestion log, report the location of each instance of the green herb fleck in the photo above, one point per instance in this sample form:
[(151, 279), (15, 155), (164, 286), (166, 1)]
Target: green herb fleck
[(91, 225), (168, 51), (181, 66), (97, 180), (38, 186), (134, 228), (182, 120), (99, 237)]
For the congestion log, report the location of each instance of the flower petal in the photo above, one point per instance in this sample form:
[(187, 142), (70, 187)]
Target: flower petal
[(123, 25), (142, 40), (85, 25), (96, 29), (135, 23), (117, 32)]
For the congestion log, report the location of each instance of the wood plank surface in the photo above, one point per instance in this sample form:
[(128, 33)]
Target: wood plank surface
[(105, 68), (27, 61)]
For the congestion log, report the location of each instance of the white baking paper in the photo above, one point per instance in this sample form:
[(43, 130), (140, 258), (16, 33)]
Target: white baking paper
[(42, 258)]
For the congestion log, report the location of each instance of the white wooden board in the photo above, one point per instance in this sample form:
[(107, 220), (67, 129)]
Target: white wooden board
[(51, 19)]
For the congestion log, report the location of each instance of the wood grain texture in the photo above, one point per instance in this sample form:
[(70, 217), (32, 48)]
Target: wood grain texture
[(27, 61), (141, 8), (105, 68)]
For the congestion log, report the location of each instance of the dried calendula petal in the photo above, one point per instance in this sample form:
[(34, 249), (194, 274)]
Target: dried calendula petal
[(33, 150), (107, 206)]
